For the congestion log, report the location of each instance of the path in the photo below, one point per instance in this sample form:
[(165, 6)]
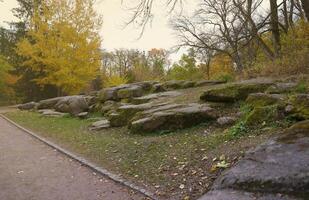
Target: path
[(30, 170)]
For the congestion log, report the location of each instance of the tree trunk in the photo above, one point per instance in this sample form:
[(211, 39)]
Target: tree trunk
[(274, 21), (285, 15), (238, 62), (305, 5)]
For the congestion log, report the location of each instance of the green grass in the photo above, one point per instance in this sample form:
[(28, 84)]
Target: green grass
[(148, 159)]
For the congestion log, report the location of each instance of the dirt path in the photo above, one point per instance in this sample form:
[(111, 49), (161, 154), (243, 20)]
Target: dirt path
[(30, 170)]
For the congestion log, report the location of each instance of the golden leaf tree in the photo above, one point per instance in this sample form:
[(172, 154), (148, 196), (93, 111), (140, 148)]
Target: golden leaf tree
[(62, 44)]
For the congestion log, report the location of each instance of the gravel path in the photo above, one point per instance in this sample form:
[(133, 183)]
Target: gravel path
[(31, 170)]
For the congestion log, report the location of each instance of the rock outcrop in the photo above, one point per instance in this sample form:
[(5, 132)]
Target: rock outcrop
[(235, 91), (172, 119), (72, 104), (278, 169)]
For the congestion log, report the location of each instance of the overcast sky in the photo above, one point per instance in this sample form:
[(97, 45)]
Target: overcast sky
[(157, 35)]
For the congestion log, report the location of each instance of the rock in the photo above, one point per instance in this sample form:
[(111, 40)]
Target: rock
[(223, 121), (208, 82), (99, 125), (109, 106), (173, 119), (260, 115), (158, 88), (82, 115), (188, 84), (280, 165), (173, 85), (128, 93), (235, 92), (151, 97), (242, 195), (127, 112), (51, 113), (48, 103), (300, 106), (28, 106), (72, 104), (109, 94), (262, 99), (280, 88)]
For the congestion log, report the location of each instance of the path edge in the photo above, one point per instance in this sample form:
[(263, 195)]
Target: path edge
[(85, 162)]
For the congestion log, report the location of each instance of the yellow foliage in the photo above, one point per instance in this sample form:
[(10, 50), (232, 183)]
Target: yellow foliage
[(63, 43), (115, 80), (221, 67)]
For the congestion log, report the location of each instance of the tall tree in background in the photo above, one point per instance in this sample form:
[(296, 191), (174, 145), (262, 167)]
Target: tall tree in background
[(62, 44), (305, 5), (274, 21)]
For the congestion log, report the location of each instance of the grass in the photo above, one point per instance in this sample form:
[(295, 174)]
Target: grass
[(160, 162)]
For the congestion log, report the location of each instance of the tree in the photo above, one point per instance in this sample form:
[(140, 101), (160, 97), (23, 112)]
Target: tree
[(274, 21), (305, 5), (62, 44)]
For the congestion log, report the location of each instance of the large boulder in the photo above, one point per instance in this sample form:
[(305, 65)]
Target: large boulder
[(51, 113), (300, 106), (108, 94), (280, 88), (48, 103), (130, 92), (262, 99), (280, 168), (99, 125), (28, 106), (236, 91), (173, 119), (263, 115), (72, 104), (155, 96), (125, 113)]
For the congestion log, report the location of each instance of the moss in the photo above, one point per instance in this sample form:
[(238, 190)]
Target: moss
[(261, 99), (300, 105), (234, 92), (262, 115)]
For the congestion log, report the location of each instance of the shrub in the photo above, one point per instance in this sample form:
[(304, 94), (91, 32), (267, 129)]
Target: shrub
[(115, 81)]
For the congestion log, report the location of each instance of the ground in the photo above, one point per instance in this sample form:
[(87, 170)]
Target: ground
[(31, 170), (178, 165)]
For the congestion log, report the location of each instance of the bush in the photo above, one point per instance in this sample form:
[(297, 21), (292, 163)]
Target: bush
[(294, 57), (115, 81)]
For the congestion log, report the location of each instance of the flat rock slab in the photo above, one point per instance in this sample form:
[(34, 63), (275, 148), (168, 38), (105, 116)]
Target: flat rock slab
[(31, 170), (280, 166)]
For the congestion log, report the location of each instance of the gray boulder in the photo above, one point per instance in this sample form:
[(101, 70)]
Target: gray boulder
[(72, 104), (130, 92), (99, 125), (51, 113), (48, 103), (280, 166), (235, 91), (262, 99), (28, 106), (280, 88), (155, 96), (173, 119)]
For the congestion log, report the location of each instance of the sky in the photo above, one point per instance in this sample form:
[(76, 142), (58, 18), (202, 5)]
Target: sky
[(115, 35)]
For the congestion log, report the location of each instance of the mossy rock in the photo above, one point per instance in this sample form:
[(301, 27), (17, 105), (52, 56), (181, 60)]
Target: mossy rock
[(128, 93), (234, 92), (261, 115), (262, 99), (300, 105), (281, 88), (109, 94)]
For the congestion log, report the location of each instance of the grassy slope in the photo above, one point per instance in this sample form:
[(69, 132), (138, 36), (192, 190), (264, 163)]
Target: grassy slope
[(163, 163)]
